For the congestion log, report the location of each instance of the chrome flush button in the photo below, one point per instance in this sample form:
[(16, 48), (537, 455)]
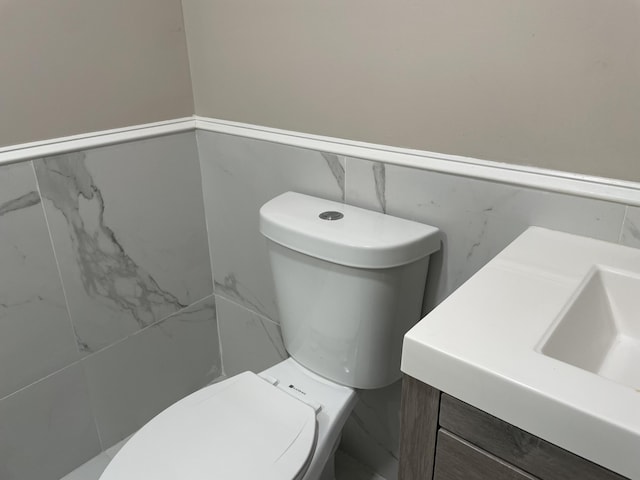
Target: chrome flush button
[(331, 215)]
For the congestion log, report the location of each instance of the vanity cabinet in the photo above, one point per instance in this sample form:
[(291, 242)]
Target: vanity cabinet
[(443, 438)]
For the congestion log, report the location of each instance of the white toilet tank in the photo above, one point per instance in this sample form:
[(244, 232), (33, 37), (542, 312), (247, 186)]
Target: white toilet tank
[(349, 284)]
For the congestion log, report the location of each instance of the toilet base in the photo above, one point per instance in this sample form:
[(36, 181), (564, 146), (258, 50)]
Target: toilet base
[(329, 471), (336, 402)]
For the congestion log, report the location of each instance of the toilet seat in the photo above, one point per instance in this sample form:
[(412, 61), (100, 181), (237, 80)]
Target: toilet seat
[(240, 429)]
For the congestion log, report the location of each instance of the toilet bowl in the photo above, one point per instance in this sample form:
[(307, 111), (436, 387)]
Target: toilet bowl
[(349, 283), (281, 424)]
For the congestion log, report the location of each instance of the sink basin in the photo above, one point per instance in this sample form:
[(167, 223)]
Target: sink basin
[(599, 329)]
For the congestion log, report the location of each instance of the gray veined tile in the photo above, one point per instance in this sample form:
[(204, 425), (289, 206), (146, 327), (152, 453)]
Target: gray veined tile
[(36, 336), (631, 228), (380, 184), (249, 341), (372, 431), (477, 218), (348, 468), (47, 429), (128, 228), (336, 165), (239, 175), (138, 377), (367, 184), (230, 287)]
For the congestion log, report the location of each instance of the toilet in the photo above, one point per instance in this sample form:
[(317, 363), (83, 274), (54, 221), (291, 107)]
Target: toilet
[(349, 283)]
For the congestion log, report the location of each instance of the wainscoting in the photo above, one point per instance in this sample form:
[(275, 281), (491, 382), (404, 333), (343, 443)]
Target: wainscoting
[(132, 271)]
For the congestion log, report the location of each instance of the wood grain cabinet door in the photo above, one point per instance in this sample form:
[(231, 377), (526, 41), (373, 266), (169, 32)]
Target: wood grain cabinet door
[(517, 447), (457, 459)]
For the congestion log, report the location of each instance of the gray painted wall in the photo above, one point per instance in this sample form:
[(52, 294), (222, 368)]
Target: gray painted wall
[(533, 82), (73, 66), (543, 83)]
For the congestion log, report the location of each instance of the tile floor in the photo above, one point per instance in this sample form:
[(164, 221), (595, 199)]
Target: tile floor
[(346, 467)]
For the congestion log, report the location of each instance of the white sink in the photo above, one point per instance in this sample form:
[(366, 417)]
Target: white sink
[(599, 329), (546, 337)]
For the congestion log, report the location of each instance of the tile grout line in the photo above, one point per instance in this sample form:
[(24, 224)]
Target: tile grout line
[(261, 319), (247, 309), (346, 162), (146, 327), (55, 257), (624, 220), (46, 377), (80, 356), (208, 230), (220, 348)]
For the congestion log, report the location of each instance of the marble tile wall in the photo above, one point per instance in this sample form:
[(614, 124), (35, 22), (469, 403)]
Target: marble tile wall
[(107, 313), (478, 218), (133, 274), (239, 176)]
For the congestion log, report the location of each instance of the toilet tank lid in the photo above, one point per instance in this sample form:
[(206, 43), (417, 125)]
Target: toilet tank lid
[(359, 238)]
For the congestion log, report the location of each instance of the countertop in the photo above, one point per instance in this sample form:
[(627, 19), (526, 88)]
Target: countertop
[(481, 346)]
